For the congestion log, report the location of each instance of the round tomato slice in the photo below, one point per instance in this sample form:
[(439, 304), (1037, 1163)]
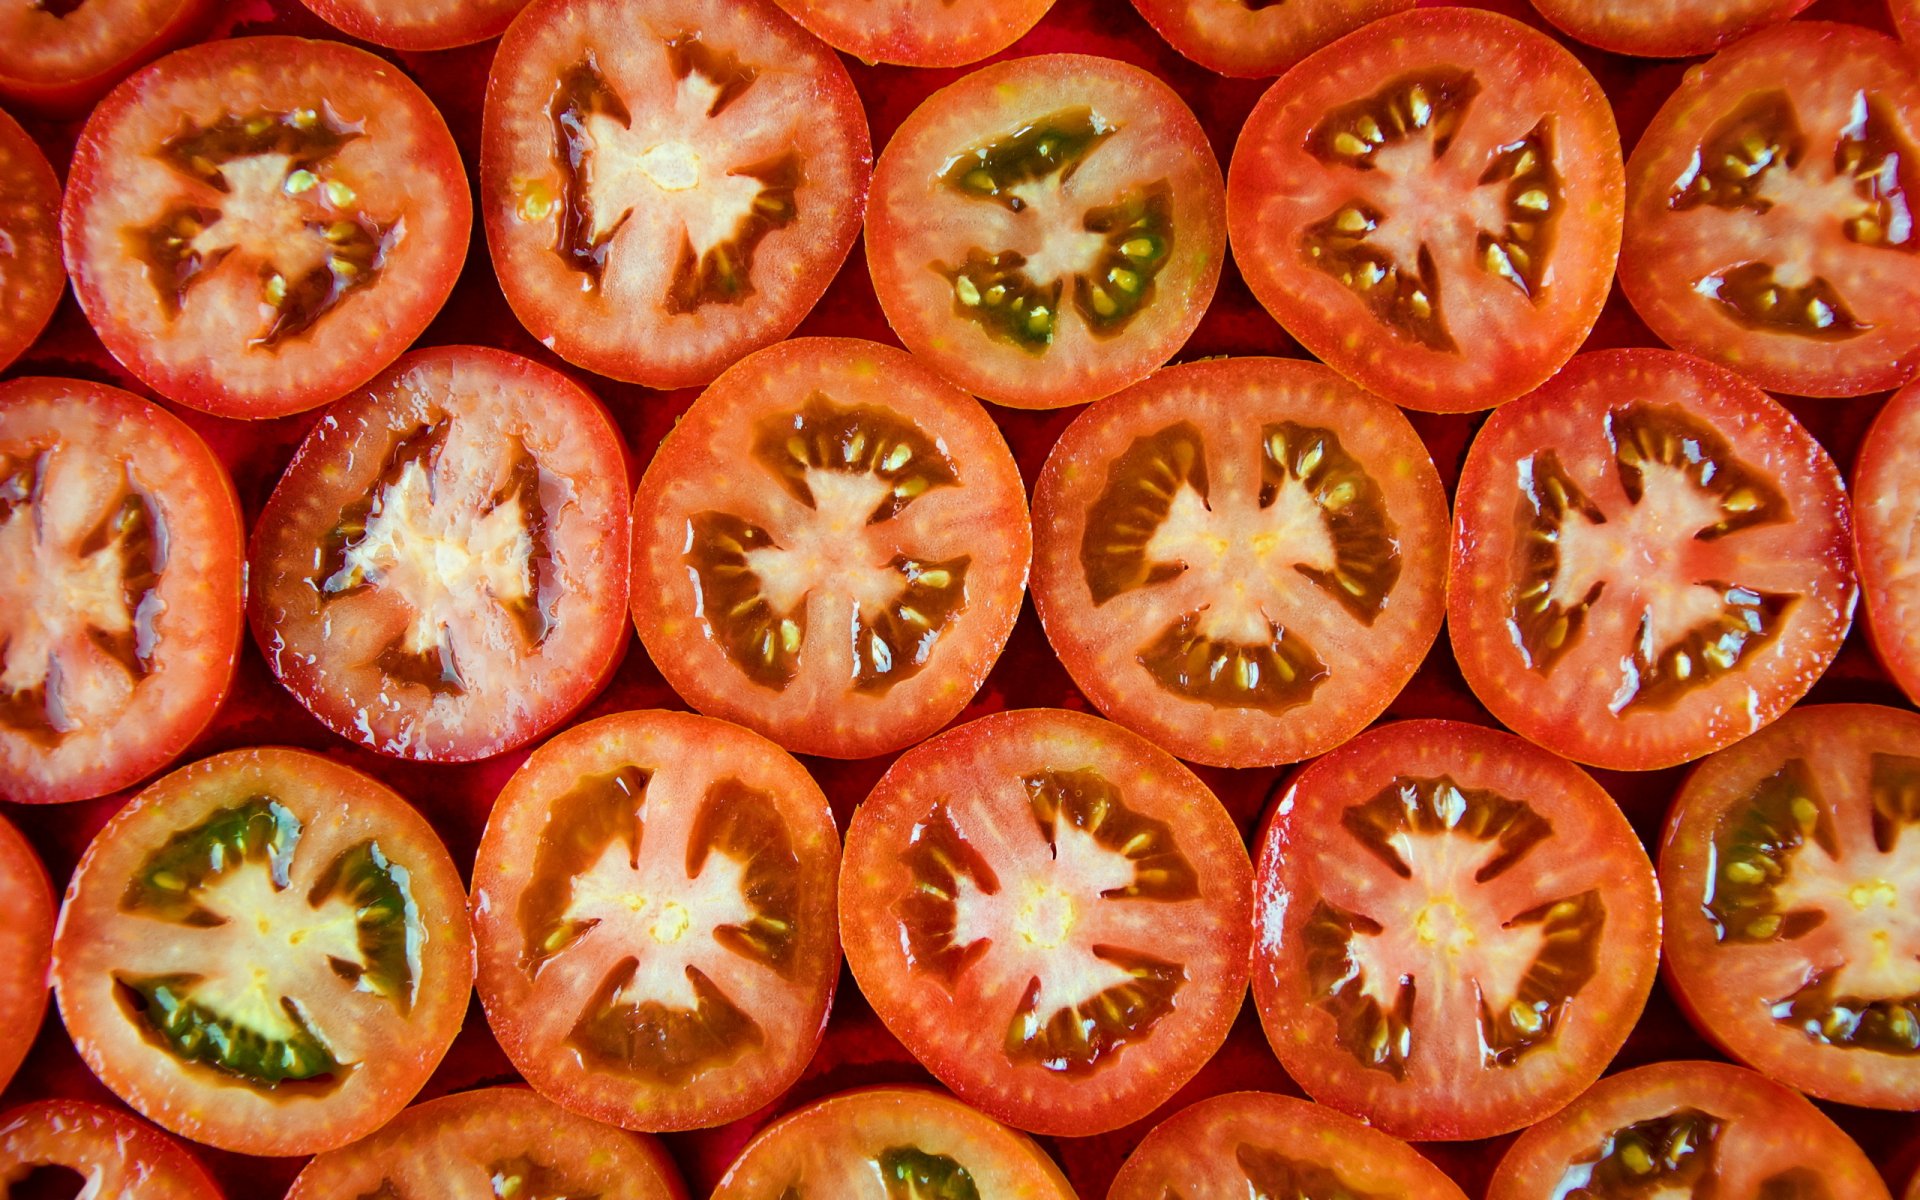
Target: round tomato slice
[(1457, 930), (668, 190), (121, 590), (891, 1143), (26, 946), (265, 951), (1687, 1129), (1432, 206), (502, 1142), (1258, 37), (97, 1151), (257, 226), (1243, 559), (919, 33), (1664, 28), (419, 24), (1047, 230), (1769, 212), (830, 548), (1790, 869), (654, 904), (1256, 1144), (441, 573), (1886, 532), (31, 274), (59, 56), (1651, 560), (1052, 914)]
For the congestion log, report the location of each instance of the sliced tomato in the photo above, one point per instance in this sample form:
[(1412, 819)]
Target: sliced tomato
[(919, 33), (419, 24), (1457, 930), (1244, 559), (1432, 206), (97, 1151), (1687, 1128), (60, 56), (654, 904), (26, 947), (1052, 914), (666, 190), (891, 1143), (1255, 1144), (257, 226), (265, 951), (1664, 28), (31, 274), (1047, 230), (1886, 532), (121, 591), (830, 548), (504, 1142), (441, 573), (1651, 560), (1770, 222), (1258, 37), (1906, 18)]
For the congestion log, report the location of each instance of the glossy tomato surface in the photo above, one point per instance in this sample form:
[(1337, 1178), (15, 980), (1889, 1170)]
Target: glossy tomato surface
[(1258, 37), (1886, 533), (1665, 28), (26, 946), (61, 55), (31, 273), (418, 24), (918, 33), (113, 1154)]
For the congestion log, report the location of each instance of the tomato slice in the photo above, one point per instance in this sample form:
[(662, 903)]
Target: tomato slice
[(59, 56), (654, 904), (1258, 37), (843, 581), (1785, 866), (1664, 28), (26, 947), (1052, 914), (1047, 230), (97, 1150), (891, 1143), (265, 951), (441, 573), (1687, 1128), (665, 193), (1769, 222), (1437, 901), (419, 24), (1432, 206), (503, 1142), (120, 610), (1244, 560), (1906, 18), (1886, 513), (1257, 1144), (1651, 561), (257, 226), (919, 33), (31, 274)]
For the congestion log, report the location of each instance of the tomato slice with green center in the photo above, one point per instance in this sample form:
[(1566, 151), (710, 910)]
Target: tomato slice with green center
[(1458, 929), (26, 947), (1664, 28), (667, 191), (1258, 37), (1770, 222), (61, 55), (265, 951), (120, 602), (1047, 230), (919, 33), (891, 1144), (1052, 914), (1652, 560), (1254, 1144), (419, 24), (504, 1143), (1244, 560), (71, 1147), (1687, 1129), (31, 273), (441, 573), (259, 225), (654, 903), (1886, 532), (830, 548), (1790, 867)]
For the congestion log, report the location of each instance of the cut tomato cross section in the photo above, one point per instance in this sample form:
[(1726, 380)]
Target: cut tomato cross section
[(1664, 28), (1886, 531), (59, 56), (98, 1150), (31, 273), (919, 33), (1258, 37), (26, 947), (418, 24)]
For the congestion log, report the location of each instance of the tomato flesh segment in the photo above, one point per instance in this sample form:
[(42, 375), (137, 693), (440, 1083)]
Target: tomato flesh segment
[(60, 1148), (1886, 514), (30, 267)]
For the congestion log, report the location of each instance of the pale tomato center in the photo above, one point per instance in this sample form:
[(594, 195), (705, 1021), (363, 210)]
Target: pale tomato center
[(1872, 905), (676, 913), (1236, 548), (828, 548)]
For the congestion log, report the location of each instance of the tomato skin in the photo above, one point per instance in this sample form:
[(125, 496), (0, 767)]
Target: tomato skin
[(26, 948), (1664, 28), (916, 33), (61, 90), (1885, 513), (1232, 38), (30, 266), (119, 1155), (449, 23)]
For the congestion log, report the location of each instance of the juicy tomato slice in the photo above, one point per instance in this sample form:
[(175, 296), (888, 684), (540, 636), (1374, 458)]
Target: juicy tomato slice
[(61, 55), (1687, 1128), (665, 193), (1432, 206), (120, 608), (1258, 37), (1886, 532), (1664, 28), (1789, 869), (31, 274), (265, 951), (1256, 1144), (259, 225), (1769, 212), (842, 581), (1906, 18), (654, 905), (419, 24), (918, 33), (1244, 560), (891, 1143), (101, 1151), (1652, 559), (1052, 914), (1047, 230), (441, 573), (503, 1142), (1458, 929), (26, 947)]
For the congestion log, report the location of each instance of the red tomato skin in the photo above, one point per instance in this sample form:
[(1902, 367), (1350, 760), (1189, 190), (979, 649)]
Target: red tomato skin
[(26, 948), (1252, 44), (471, 21), (1884, 518), (30, 264), (64, 97), (120, 1155), (1689, 27)]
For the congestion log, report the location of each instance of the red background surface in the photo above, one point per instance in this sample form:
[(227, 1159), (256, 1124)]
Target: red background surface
[(858, 1050)]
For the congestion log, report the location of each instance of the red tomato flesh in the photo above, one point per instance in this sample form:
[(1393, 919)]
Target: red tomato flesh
[(1664, 28), (31, 274), (1258, 37), (1886, 532), (59, 56), (418, 24), (26, 947), (918, 33), (108, 1152)]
